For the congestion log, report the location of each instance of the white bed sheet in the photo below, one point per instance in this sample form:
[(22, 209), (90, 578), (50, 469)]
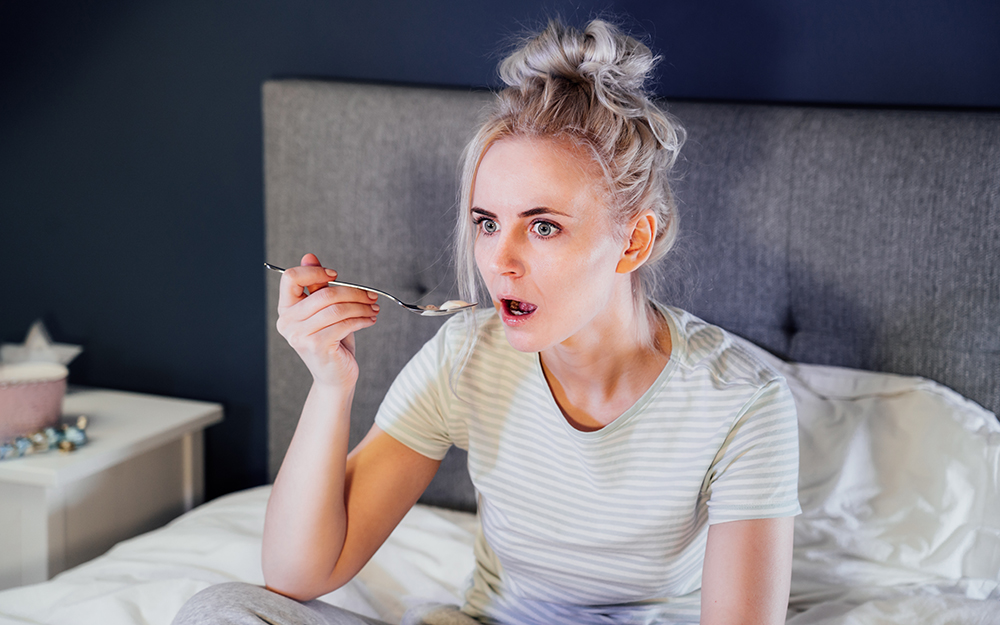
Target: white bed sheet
[(900, 490), (146, 580)]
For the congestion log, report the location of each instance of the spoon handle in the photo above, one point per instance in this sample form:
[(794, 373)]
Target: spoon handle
[(360, 287)]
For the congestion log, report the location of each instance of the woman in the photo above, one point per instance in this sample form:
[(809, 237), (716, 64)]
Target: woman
[(632, 463)]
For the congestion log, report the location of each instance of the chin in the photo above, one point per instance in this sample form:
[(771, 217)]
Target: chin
[(520, 342), (526, 341)]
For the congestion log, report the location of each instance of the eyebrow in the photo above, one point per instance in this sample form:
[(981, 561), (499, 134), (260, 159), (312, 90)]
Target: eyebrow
[(531, 212)]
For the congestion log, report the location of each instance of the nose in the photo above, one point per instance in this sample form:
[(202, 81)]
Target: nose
[(507, 257)]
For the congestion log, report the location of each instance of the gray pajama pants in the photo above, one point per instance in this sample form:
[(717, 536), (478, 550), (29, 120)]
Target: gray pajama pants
[(236, 603)]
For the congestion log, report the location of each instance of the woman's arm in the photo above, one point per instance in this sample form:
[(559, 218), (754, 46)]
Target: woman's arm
[(328, 512), (747, 572), (327, 517)]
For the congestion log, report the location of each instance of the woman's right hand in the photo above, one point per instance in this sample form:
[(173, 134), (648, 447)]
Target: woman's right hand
[(320, 326)]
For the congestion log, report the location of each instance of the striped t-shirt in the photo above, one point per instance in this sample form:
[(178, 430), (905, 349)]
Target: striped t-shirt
[(608, 526)]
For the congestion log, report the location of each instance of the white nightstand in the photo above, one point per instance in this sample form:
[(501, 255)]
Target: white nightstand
[(142, 466)]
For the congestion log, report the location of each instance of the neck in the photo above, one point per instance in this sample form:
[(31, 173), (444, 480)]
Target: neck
[(597, 377)]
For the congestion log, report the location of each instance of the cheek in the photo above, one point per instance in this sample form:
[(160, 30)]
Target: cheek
[(598, 257), (482, 255), (590, 274), (479, 254)]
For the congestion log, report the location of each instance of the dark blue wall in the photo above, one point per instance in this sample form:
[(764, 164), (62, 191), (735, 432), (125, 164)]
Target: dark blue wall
[(131, 211)]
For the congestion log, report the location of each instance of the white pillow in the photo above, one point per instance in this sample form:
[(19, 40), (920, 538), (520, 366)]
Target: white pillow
[(899, 485)]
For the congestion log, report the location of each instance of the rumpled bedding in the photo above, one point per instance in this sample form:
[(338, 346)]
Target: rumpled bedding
[(146, 580), (899, 486)]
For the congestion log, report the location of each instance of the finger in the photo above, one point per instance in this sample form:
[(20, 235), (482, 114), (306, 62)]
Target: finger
[(330, 296), (325, 307), (331, 325), (338, 333), (334, 315), (296, 279), (311, 260)]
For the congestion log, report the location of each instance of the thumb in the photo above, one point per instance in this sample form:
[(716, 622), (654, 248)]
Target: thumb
[(311, 260)]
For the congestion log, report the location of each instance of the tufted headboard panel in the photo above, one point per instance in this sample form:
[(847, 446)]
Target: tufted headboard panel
[(862, 238)]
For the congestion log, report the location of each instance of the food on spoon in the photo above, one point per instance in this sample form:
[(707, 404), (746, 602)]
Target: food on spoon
[(453, 303)]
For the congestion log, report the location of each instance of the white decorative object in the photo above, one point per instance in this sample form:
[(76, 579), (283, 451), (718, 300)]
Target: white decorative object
[(38, 347)]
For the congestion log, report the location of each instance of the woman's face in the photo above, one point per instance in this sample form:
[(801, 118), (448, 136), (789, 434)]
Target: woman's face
[(545, 244)]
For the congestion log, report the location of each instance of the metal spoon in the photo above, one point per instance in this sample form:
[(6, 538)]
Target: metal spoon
[(426, 311)]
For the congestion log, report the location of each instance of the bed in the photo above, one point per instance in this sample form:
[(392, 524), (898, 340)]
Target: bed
[(858, 250)]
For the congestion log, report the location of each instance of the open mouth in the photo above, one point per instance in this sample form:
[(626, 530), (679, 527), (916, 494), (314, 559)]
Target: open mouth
[(518, 308)]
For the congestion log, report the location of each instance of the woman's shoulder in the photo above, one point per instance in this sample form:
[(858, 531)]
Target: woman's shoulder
[(698, 345)]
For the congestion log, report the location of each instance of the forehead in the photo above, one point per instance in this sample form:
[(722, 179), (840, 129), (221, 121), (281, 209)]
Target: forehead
[(537, 170)]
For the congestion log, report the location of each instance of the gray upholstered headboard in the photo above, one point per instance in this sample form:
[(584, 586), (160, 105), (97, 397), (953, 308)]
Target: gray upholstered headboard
[(863, 238)]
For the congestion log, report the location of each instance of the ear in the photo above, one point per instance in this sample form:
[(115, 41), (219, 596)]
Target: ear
[(639, 244)]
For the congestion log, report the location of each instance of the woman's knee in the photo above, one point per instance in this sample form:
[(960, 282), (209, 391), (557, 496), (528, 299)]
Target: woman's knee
[(238, 603), (231, 602)]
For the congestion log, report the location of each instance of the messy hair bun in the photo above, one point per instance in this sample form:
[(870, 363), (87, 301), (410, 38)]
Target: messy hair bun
[(588, 87), (601, 61)]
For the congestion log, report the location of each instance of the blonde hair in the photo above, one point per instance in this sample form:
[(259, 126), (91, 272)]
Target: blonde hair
[(588, 88)]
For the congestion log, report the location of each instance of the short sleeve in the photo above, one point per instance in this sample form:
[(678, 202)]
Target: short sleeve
[(755, 474), (414, 411)]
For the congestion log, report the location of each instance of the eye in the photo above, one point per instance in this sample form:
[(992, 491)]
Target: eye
[(487, 225), (544, 228)]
